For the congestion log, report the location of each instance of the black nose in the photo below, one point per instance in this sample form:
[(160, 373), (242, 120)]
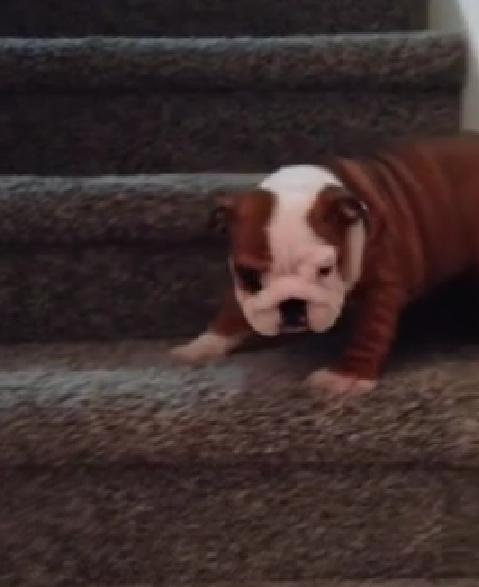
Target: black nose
[(293, 312)]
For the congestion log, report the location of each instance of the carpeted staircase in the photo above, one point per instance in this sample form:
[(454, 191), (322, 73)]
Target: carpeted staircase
[(118, 467)]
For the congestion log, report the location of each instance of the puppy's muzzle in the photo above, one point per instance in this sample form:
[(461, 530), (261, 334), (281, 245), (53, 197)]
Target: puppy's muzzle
[(293, 313)]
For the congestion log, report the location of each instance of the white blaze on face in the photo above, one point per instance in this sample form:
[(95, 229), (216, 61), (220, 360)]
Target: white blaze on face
[(298, 254)]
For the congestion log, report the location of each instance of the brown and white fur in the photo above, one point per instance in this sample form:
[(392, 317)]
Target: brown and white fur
[(310, 238)]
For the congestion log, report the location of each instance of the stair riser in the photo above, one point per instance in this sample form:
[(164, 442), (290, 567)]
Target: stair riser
[(108, 292), (61, 276), (424, 60), (215, 17), (142, 524), (91, 134), (112, 257)]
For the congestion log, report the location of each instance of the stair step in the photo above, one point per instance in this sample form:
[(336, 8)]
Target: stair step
[(78, 403), (110, 257), (412, 582), (169, 105), (158, 210), (361, 583), (340, 583), (130, 526), (206, 18), (122, 257), (233, 470)]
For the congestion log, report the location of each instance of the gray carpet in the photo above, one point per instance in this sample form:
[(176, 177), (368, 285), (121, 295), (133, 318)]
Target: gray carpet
[(119, 467), (55, 18), (126, 106), (366, 583), (127, 257), (128, 403)]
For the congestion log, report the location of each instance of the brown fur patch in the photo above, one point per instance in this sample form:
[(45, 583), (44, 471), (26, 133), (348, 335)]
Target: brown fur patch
[(230, 320), (251, 213), (330, 218)]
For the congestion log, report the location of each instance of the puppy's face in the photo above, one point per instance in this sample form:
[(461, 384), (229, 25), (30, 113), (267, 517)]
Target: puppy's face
[(296, 250)]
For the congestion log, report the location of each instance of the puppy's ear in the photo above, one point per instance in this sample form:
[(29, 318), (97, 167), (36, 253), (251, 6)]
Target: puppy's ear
[(221, 214), (350, 209), (337, 208), (343, 207), (336, 217)]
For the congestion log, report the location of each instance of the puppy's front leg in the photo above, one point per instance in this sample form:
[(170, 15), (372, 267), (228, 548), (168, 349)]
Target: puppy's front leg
[(359, 369), (226, 333)]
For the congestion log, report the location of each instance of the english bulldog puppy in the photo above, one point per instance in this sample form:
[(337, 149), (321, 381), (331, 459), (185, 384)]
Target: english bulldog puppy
[(381, 231)]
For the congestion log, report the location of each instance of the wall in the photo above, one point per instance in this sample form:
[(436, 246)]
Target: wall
[(462, 15)]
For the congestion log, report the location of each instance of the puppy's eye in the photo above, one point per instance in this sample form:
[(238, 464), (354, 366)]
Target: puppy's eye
[(250, 278), (325, 271)]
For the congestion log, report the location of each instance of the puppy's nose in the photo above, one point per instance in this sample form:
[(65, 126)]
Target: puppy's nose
[(293, 312)]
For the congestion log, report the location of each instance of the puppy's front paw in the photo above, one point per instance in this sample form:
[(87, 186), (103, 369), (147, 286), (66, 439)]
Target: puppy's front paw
[(205, 348), (333, 382)]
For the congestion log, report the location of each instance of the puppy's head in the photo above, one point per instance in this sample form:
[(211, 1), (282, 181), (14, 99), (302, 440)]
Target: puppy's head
[(296, 249)]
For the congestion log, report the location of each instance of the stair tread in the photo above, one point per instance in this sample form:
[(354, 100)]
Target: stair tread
[(188, 17), (412, 59), (153, 208), (128, 403), (361, 583), (130, 105)]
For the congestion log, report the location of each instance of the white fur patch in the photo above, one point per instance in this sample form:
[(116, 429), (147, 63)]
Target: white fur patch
[(354, 258), (207, 347), (298, 253), (331, 382), (292, 241)]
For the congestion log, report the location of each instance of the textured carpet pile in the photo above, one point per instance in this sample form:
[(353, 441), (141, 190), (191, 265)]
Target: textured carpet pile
[(120, 123)]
